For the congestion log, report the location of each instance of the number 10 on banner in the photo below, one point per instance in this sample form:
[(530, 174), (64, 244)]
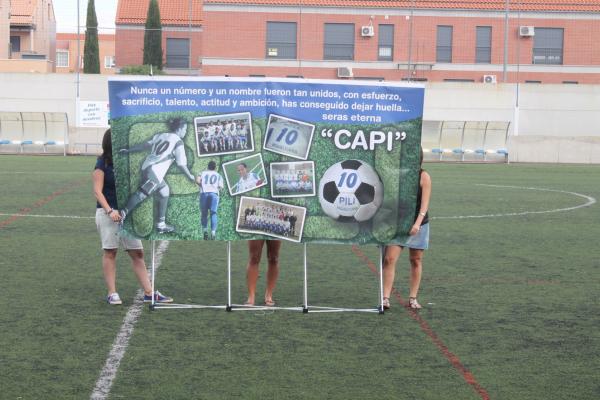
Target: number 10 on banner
[(288, 136)]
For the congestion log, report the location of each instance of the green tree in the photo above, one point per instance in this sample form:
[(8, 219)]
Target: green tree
[(91, 52), (153, 54)]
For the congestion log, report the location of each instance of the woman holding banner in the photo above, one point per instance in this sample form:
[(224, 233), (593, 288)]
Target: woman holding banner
[(107, 222), (417, 242), (254, 254)]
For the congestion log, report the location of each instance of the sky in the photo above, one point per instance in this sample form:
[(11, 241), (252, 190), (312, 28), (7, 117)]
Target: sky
[(66, 15)]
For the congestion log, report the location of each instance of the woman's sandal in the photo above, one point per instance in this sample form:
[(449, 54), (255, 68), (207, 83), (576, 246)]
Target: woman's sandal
[(413, 303), (386, 303), (269, 303)]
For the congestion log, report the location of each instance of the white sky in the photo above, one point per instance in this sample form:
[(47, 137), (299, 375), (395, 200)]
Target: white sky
[(66, 15)]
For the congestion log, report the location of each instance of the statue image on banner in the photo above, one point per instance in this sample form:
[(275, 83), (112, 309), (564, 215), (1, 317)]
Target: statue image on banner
[(164, 149)]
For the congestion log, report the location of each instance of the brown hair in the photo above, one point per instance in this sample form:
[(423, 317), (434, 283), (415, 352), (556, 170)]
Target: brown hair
[(107, 148)]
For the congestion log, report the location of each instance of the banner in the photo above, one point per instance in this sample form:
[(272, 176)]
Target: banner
[(292, 159)]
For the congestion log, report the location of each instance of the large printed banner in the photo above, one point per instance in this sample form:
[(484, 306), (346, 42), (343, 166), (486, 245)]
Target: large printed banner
[(239, 159)]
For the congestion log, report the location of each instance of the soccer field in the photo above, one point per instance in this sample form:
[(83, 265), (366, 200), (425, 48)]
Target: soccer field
[(510, 295)]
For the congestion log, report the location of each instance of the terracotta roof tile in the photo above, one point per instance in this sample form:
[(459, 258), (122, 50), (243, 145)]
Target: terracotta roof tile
[(523, 5), (22, 7), (172, 12), (21, 12)]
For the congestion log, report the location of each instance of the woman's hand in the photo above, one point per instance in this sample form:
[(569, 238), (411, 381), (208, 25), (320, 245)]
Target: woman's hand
[(414, 230), (115, 215)]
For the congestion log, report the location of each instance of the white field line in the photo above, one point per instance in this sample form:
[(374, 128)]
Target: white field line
[(589, 201), (43, 173), (44, 216), (109, 372)]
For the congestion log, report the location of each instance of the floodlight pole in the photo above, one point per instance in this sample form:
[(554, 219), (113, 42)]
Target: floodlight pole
[(77, 67), (410, 39), (77, 62), (504, 66)]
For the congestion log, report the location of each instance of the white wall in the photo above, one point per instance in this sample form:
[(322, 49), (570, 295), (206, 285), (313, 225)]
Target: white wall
[(553, 123)]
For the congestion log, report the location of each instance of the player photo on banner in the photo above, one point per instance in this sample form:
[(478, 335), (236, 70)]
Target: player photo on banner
[(245, 174), (271, 218), (224, 134), (293, 179), (288, 136)]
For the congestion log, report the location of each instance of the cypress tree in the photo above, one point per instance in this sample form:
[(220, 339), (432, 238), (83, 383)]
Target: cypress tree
[(91, 51), (153, 54)]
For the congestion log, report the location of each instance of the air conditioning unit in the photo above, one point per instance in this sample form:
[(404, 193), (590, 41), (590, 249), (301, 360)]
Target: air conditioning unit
[(526, 31), (344, 72), (367, 31), (489, 79)]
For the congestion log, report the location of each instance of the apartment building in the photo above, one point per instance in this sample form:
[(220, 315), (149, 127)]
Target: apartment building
[(181, 34), (550, 41), (27, 36), (68, 46)]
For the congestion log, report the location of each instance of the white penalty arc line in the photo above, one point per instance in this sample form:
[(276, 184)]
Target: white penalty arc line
[(42, 173), (589, 202), (117, 352), (43, 216)]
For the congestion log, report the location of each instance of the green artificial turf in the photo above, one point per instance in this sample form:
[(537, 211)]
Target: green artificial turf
[(510, 301)]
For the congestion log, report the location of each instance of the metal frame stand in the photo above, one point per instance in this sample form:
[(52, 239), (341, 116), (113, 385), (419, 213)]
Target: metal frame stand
[(323, 309), (243, 307), (155, 306)]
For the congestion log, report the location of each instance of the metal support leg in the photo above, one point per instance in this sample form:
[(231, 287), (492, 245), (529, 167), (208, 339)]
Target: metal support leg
[(153, 249), (305, 308), (228, 307), (381, 255)]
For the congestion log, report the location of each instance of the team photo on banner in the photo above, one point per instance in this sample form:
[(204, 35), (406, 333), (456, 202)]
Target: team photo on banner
[(249, 158)]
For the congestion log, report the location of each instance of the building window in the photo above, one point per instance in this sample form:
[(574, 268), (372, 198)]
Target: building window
[(339, 42), (109, 61), (62, 59), (483, 49), (548, 46), (281, 40), (443, 50), (386, 42), (178, 53), (15, 44)]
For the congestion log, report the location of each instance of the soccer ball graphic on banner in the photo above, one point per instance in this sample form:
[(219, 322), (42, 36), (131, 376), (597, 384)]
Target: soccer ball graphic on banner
[(350, 191)]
